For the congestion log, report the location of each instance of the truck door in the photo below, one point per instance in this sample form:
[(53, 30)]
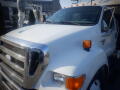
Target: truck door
[(108, 31)]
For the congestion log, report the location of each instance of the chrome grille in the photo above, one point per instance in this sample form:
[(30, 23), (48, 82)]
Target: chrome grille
[(12, 48), (8, 83), (13, 62), (15, 55), (11, 74)]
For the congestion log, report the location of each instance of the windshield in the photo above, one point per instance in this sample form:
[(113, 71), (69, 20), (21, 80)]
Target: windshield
[(86, 15)]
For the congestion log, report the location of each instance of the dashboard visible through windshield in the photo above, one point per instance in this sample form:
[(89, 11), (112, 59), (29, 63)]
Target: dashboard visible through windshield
[(86, 15)]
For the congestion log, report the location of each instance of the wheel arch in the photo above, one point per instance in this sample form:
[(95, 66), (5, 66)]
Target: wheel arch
[(101, 69)]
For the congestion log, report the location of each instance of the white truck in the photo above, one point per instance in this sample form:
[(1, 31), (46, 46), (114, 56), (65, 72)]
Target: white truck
[(72, 50)]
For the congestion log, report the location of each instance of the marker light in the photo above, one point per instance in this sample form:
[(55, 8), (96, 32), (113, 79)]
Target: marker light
[(87, 44), (75, 83)]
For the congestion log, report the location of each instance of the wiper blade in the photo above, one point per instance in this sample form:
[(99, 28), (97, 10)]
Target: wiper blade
[(48, 22), (86, 22), (71, 23)]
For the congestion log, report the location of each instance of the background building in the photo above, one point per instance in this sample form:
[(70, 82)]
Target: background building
[(9, 12)]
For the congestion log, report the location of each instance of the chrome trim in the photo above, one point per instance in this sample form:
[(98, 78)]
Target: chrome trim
[(6, 86), (13, 54), (29, 81), (24, 44), (11, 73), (5, 39), (10, 81), (12, 65)]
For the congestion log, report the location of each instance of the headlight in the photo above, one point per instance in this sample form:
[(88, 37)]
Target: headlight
[(71, 83), (59, 77)]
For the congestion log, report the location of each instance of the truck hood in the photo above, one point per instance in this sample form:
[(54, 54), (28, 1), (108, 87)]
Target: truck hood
[(45, 33), (64, 43)]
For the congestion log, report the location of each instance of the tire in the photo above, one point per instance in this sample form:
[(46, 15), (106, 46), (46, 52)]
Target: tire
[(99, 81)]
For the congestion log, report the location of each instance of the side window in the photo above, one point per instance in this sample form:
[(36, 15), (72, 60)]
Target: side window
[(107, 16), (107, 22)]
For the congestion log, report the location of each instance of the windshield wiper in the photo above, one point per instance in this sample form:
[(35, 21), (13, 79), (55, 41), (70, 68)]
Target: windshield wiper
[(86, 22), (76, 23), (71, 23), (49, 22)]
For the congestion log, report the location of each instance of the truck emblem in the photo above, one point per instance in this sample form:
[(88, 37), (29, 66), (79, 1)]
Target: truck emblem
[(8, 57)]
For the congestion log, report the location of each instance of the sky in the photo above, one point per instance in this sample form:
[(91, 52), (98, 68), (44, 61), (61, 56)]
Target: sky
[(65, 3)]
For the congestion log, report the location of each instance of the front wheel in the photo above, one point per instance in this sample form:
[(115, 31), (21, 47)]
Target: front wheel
[(99, 81), (95, 85)]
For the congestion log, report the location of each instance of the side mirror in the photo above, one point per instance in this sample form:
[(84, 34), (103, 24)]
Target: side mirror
[(105, 27)]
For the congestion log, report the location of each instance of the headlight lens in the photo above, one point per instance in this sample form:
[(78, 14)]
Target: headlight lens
[(59, 77)]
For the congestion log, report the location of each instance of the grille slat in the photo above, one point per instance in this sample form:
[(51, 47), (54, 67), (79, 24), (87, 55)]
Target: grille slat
[(6, 86), (12, 65), (8, 80), (13, 54), (13, 57), (13, 48), (11, 74), (5, 40)]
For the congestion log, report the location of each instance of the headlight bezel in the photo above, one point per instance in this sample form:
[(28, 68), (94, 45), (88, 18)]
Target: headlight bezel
[(36, 58)]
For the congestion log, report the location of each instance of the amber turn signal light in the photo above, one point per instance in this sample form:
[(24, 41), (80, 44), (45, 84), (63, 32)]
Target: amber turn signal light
[(87, 44), (75, 83)]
